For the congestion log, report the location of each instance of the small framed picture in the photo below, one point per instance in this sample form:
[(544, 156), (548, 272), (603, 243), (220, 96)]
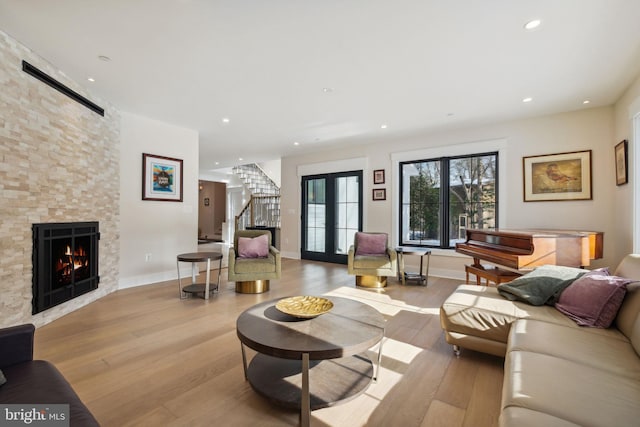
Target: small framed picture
[(379, 194), (622, 165), (161, 178), (378, 176)]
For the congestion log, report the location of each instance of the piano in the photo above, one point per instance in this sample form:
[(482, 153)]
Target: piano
[(527, 249)]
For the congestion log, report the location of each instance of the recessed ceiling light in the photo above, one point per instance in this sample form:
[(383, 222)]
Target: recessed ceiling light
[(91, 79), (383, 126), (240, 158), (217, 163), (225, 120), (532, 25), (104, 58), (586, 101), (327, 89), (527, 99), (296, 143)]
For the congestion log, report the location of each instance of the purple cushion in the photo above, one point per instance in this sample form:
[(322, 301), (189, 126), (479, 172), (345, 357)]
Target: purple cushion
[(371, 244), (594, 299), (257, 247)]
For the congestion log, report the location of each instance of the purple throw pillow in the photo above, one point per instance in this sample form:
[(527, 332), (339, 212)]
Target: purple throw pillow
[(594, 299), (371, 244), (257, 247)]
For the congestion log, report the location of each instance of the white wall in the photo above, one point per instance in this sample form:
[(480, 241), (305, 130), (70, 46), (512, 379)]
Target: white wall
[(272, 169), (162, 229), (589, 129), (627, 215)]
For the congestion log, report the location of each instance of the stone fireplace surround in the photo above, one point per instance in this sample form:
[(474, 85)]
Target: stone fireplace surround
[(59, 162)]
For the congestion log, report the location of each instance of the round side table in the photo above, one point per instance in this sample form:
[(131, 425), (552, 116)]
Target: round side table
[(196, 288)]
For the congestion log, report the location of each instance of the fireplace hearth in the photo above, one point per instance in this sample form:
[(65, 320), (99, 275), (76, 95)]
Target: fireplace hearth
[(65, 262)]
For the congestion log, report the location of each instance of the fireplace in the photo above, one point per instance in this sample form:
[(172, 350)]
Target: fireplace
[(65, 262)]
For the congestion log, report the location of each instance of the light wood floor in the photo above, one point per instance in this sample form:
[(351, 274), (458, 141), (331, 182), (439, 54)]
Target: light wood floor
[(142, 356)]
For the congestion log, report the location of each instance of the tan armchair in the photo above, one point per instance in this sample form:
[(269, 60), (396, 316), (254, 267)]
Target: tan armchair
[(252, 275), (371, 260)]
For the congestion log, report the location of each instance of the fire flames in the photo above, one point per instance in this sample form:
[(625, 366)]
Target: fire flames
[(71, 261), (78, 259)]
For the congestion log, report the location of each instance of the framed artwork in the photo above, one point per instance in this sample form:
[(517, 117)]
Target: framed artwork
[(622, 165), (161, 178), (379, 194), (562, 176), (378, 176)]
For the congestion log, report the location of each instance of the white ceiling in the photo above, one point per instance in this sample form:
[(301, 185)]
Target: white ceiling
[(415, 65)]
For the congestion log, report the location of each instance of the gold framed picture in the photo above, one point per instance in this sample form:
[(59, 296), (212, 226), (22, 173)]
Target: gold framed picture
[(562, 176)]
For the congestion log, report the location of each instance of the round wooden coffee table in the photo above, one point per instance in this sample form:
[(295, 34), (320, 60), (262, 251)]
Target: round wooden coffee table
[(292, 367)]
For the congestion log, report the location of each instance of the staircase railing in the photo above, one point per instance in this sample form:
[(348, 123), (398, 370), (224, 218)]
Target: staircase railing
[(263, 209), (260, 211)]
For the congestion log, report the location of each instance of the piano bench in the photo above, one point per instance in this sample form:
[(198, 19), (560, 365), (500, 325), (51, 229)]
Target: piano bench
[(489, 274)]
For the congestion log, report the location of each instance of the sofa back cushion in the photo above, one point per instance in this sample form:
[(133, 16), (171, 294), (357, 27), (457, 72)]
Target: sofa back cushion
[(628, 319)]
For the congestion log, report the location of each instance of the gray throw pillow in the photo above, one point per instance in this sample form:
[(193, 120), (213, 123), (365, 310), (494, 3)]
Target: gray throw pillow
[(542, 285)]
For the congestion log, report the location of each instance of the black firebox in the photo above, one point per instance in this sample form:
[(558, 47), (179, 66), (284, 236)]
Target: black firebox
[(65, 262)]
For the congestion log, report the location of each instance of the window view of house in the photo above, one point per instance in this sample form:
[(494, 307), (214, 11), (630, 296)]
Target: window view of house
[(443, 197)]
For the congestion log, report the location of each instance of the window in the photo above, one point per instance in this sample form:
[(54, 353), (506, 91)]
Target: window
[(442, 197)]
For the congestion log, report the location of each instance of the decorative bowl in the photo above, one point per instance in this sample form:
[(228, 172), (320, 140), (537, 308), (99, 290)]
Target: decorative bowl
[(304, 307)]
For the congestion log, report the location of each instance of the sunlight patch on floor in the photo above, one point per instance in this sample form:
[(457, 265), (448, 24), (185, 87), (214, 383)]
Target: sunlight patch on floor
[(397, 350), (356, 412), (380, 301), (396, 357)]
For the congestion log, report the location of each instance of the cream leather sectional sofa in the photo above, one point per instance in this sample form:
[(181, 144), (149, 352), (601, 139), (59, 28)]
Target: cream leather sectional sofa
[(556, 373)]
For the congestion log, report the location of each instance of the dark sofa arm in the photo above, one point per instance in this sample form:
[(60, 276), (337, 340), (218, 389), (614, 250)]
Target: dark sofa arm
[(16, 344)]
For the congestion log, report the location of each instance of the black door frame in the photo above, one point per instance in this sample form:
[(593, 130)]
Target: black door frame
[(329, 254)]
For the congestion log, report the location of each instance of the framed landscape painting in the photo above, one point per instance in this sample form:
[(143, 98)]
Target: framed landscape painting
[(562, 176), (161, 178)]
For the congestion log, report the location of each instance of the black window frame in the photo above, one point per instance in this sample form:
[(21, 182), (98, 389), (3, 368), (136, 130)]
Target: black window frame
[(444, 211)]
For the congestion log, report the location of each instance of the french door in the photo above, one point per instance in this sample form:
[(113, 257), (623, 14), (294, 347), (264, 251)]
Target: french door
[(331, 215)]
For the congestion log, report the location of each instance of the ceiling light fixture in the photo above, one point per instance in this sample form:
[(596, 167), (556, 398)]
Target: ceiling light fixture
[(240, 158), (586, 101), (383, 127), (327, 89), (296, 143), (91, 79), (528, 99), (225, 120), (532, 25)]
